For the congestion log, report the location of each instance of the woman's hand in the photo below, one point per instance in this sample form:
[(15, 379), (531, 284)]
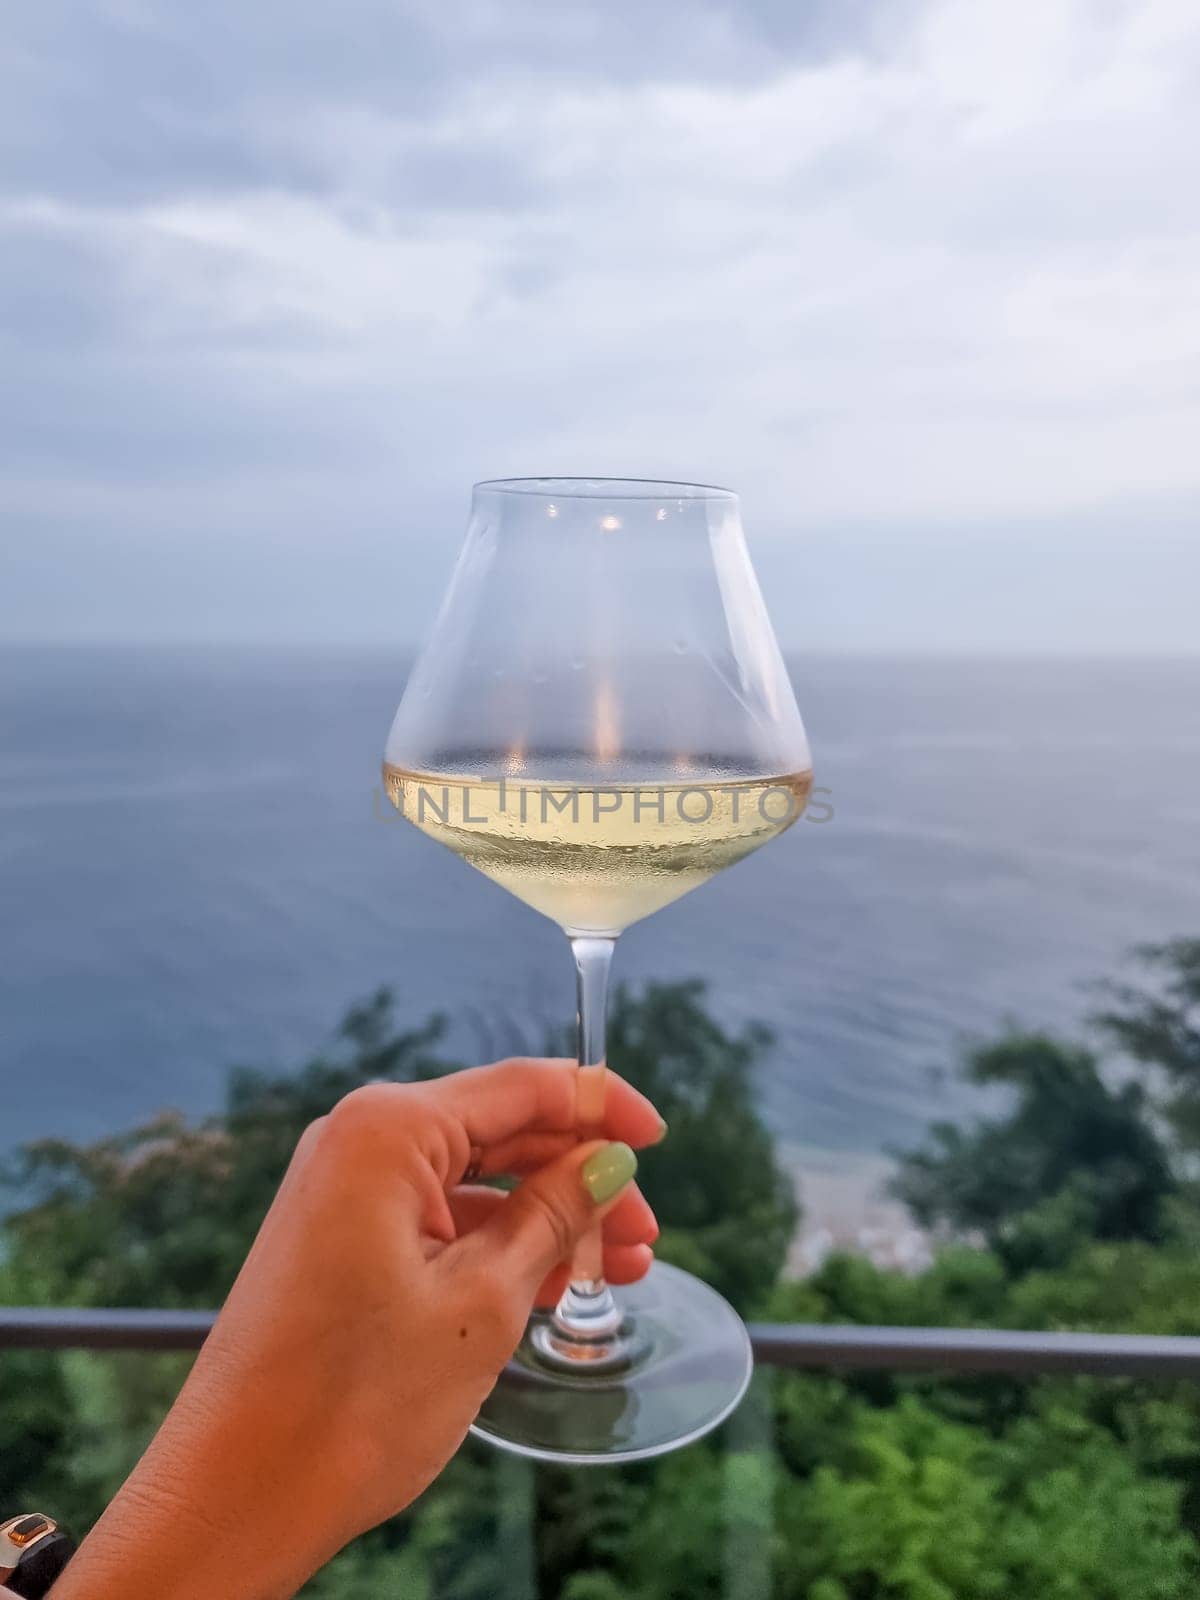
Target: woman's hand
[(371, 1318)]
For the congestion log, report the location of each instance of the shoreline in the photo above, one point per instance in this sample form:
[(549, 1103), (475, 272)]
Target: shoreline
[(844, 1207)]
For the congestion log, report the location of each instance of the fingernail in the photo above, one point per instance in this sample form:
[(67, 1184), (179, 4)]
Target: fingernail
[(607, 1170), (662, 1133)]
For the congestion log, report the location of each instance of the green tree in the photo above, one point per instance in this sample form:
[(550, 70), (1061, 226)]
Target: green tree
[(1157, 1023), (916, 1507), (1128, 1287), (1074, 1159), (963, 1288)]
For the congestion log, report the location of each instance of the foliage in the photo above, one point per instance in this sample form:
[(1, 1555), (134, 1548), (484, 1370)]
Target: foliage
[(916, 1507), (1072, 1159), (1073, 1209), (1157, 1023)]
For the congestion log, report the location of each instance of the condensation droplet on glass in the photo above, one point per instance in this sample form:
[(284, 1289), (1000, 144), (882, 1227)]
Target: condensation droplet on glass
[(661, 514), (610, 524), (551, 510)]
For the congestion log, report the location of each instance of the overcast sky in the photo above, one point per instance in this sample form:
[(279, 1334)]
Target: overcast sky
[(279, 280)]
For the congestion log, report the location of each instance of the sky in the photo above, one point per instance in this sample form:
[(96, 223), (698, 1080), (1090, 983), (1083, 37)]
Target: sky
[(921, 279)]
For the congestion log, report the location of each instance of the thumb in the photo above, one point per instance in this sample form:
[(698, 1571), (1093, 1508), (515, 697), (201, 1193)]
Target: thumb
[(548, 1214)]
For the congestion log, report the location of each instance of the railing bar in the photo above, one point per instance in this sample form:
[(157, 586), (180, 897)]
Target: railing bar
[(775, 1344), (976, 1350), (37, 1327)]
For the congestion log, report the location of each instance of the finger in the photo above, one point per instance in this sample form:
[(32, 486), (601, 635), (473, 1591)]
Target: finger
[(626, 1263), (472, 1204), (545, 1217), (533, 1095), (630, 1221), (623, 1263), (524, 1152)]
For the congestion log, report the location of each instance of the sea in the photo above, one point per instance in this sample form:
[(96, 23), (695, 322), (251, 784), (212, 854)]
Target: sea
[(197, 869)]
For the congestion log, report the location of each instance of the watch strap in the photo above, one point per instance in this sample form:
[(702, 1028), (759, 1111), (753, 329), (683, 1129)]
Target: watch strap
[(33, 1551)]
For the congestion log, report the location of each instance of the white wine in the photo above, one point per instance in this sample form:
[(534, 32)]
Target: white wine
[(596, 859)]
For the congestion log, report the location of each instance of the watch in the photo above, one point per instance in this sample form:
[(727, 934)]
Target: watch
[(33, 1551)]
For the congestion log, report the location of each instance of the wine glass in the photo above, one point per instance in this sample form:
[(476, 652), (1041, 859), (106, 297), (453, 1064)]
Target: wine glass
[(600, 721)]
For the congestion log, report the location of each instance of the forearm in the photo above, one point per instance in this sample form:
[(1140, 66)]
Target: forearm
[(202, 1516), (152, 1547)]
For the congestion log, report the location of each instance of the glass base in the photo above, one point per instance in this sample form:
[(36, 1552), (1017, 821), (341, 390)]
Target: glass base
[(689, 1367)]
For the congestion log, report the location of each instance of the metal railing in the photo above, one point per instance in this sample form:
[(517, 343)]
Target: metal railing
[(776, 1344)]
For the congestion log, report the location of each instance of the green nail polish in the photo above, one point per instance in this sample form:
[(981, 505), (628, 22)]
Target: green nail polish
[(607, 1170)]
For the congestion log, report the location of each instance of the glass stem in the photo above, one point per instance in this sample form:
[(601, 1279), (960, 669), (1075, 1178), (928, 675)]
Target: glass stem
[(587, 1311)]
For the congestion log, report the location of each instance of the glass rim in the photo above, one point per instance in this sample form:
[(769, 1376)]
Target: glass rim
[(589, 488)]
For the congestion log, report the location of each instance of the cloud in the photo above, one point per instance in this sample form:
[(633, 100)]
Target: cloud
[(906, 283)]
